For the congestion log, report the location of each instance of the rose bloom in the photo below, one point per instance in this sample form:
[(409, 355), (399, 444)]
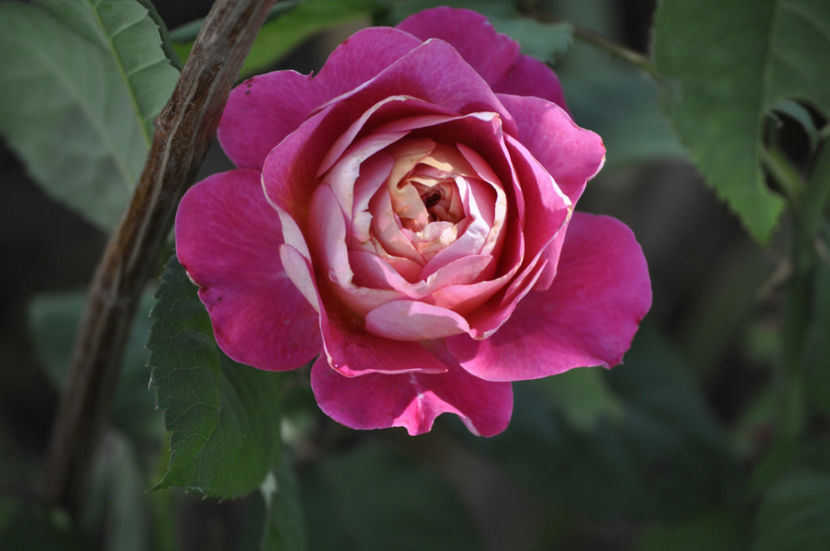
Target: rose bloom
[(406, 216)]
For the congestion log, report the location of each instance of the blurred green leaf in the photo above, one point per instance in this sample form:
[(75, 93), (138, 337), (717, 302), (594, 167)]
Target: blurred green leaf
[(8, 509), (53, 319), (77, 98), (29, 526), (794, 513), (713, 531), (725, 299), (618, 102), (544, 41), (754, 57), (284, 526), (583, 396), (224, 417), (373, 500), (290, 27), (396, 11), (666, 445)]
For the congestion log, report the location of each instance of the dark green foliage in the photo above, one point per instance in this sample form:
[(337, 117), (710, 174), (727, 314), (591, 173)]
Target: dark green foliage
[(725, 71), (223, 417)]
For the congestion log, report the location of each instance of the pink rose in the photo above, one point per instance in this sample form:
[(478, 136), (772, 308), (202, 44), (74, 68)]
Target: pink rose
[(407, 216)]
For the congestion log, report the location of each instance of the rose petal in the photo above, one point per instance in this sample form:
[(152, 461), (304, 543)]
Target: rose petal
[(394, 108), (434, 72), (373, 271), (572, 155), (412, 400), (490, 53), (410, 320), (362, 56), (228, 239), (331, 256), (347, 346), (262, 111), (530, 77), (343, 176), (588, 316), (356, 353)]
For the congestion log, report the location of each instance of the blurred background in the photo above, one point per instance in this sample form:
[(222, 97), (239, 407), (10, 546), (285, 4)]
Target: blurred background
[(659, 453)]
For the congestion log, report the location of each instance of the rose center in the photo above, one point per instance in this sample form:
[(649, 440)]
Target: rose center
[(431, 198)]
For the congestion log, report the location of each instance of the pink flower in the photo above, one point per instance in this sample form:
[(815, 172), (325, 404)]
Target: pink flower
[(407, 216)]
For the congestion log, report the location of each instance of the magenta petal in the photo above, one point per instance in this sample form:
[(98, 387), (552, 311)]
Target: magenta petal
[(228, 239), (572, 155), (587, 317), (412, 400), (362, 56), (262, 111), (433, 72), (530, 77), (490, 53), (354, 352)]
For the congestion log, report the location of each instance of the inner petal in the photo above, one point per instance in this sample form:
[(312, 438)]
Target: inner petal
[(422, 184)]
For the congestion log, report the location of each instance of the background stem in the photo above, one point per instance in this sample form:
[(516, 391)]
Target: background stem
[(183, 134), (807, 214)]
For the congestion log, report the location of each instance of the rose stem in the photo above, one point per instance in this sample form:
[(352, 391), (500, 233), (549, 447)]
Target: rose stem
[(182, 136)]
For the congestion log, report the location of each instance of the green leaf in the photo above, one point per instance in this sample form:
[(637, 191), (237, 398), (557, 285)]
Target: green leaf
[(284, 527), (754, 57), (794, 513), (374, 500), (78, 95), (127, 32), (224, 417)]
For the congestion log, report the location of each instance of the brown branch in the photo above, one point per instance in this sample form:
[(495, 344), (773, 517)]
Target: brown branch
[(183, 133)]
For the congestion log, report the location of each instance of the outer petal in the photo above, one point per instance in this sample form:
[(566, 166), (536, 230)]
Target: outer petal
[(571, 154), (262, 111), (587, 317), (228, 238), (530, 77), (490, 53), (362, 56), (433, 72), (412, 400), (358, 353)]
